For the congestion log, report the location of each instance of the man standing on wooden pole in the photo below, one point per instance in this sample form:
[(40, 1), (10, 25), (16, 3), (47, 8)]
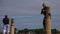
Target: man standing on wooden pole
[(47, 19)]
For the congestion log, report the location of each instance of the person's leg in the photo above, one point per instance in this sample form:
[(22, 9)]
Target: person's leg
[(4, 29), (44, 23), (7, 28)]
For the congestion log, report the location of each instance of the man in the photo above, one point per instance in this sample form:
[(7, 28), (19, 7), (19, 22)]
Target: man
[(46, 12), (6, 25)]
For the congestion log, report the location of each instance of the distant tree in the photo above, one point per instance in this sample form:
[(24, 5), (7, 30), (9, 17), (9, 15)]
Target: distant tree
[(25, 31), (19, 31), (36, 31), (41, 30), (54, 31)]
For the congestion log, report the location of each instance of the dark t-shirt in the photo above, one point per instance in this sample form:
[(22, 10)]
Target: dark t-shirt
[(44, 10), (5, 21)]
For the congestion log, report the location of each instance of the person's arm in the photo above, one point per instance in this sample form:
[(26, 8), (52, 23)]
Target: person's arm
[(41, 11), (8, 20), (3, 21)]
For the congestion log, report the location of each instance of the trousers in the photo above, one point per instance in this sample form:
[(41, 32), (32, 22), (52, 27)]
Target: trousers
[(6, 29)]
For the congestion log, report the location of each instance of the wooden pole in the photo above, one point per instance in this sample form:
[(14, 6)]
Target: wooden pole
[(12, 26), (48, 22), (48, 25)]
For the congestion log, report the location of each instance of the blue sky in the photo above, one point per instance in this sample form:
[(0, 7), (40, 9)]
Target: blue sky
[(26, 13)]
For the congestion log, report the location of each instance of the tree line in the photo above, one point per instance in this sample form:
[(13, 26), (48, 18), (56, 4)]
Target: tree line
[(41, 30)]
